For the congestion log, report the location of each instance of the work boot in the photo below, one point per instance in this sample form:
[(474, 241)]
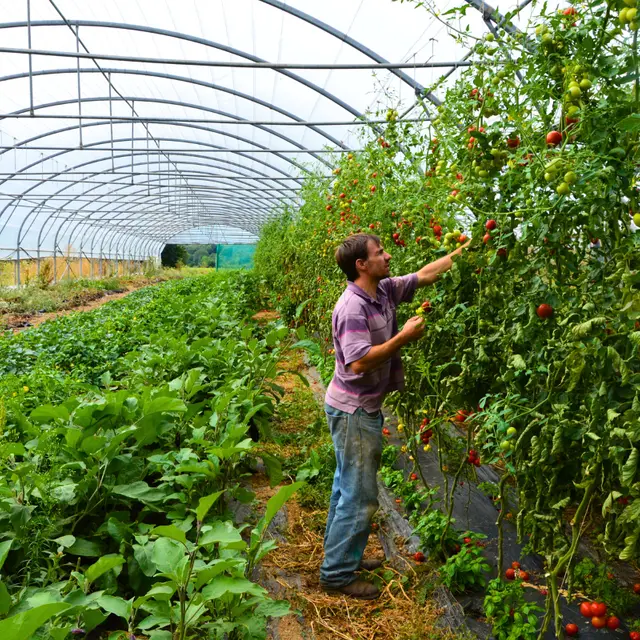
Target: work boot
[(370, 564), (360, 589)]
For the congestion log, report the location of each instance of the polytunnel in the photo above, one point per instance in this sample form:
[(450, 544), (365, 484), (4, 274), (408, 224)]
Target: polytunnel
[(127, 125)]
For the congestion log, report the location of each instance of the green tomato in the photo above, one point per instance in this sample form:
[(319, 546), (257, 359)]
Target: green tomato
[(636, 219), (505, 445), (570, 177), (483, 174), (632, 14), (563, 189), (575, 92), (549, 177), (585, 84), (511, 431)]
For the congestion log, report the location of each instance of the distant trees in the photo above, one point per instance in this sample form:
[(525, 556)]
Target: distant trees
[(174, 255)]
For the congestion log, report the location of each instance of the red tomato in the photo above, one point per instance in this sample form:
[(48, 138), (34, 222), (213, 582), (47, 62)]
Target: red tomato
[(502, 253), (613, 623), (544, 311), (426, 305), (513, 143), (490, 225), (418, 556), (571, 629), (414, 476), (598, 609), (524, 575), (486, 237), (462, 238), (599, 622), (554, 138), (585, 609), (634, 635), (515, 565), (510, 574), (636, 588)]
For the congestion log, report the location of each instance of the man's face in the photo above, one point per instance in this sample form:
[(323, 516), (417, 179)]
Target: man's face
[(377, 264)]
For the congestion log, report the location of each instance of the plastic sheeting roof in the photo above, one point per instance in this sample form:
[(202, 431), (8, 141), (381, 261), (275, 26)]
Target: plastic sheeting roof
[(159, 120)]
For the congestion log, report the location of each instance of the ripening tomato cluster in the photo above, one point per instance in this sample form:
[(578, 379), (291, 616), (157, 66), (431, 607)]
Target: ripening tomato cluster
[(474, 458), (515, 572)]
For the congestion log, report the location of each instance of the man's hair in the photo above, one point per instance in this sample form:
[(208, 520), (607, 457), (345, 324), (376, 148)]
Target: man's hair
[(355, 247)]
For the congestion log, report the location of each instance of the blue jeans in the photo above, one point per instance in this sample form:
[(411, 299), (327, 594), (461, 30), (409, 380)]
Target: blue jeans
[(357, 440)]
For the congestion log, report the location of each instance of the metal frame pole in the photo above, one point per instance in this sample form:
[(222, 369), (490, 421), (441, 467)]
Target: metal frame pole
[(30, 58)]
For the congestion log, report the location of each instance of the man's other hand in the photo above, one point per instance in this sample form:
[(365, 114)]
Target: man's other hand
[(413, 329)]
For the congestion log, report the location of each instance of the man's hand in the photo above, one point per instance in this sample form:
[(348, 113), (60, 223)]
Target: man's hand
[(413, 329)]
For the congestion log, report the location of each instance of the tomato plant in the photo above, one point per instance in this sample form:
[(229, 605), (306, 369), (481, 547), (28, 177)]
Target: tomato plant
[(537, 324)]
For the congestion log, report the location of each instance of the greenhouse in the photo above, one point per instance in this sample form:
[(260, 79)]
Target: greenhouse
[(319, 320)]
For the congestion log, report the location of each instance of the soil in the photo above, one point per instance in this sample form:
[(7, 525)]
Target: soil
[(291, 571), (90, 300)]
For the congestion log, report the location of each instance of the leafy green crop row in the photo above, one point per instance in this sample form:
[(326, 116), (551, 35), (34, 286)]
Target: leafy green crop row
[(114, 503)]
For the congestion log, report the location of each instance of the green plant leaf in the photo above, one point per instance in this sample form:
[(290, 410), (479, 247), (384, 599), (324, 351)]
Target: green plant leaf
[(87, 548), (630, 468), (170, 531), (140, 490), (5, 547), (106, 563), (167, 554), (224, 584), (204, 504), (276, 502), (5, 599), (117, 606), (222, 532), (165, 404), (23, 625)]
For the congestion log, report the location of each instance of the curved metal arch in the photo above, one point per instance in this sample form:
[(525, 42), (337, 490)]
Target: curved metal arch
[(133, 199), (167, 233), (343, 37), (180, 103), (248, 199), (107, 122), (143, 153), (120, 156), (91, 145), (197, 40)]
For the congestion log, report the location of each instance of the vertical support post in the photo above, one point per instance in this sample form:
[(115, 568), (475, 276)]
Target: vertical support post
[(17, 277), (81, 263), (55, 265), (217, 251), (133, 113), (30, 57), (79, 90), (113, 164), (148, 166)]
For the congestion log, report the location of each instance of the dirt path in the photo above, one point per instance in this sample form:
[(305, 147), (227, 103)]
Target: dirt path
[(20, 322), (291, 571)]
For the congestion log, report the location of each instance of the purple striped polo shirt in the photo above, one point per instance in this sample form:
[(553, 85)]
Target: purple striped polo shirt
[(360, 322)]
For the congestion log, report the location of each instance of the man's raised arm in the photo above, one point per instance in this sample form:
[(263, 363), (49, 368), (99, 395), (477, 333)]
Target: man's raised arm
[(431, 272)]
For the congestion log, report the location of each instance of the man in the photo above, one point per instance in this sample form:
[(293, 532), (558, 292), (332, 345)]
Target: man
[(368, 366)]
